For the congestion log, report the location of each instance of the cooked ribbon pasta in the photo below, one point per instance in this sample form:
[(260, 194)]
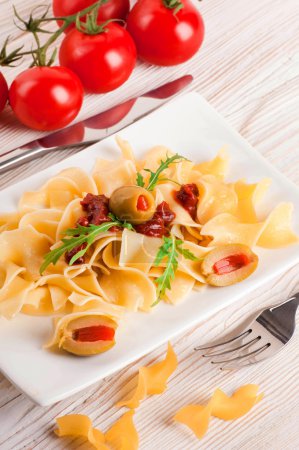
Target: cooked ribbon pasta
[(173, 225)]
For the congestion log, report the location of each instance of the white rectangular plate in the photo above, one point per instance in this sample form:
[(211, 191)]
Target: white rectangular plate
[(191, 127)]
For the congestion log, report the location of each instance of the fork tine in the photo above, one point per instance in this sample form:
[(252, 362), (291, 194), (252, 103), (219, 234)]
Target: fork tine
[(237, 358), (244, 334), (231, 350)]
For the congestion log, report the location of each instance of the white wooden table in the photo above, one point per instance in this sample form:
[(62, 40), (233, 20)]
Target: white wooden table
[(248, 69)]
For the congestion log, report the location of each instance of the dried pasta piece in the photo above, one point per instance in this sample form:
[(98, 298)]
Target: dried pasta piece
[(121, 436), (152, 380), (217, 166), (80, 425), (196, 417), (239, 404), (222, 406), (277, 231)]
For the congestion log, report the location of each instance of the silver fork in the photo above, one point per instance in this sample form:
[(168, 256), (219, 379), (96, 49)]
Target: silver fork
[(266, 335)]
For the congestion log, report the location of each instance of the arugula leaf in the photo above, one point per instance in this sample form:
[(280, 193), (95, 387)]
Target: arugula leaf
[(78, 236), (140, 180), (154, 176), (169, 250), (185, 252), (123, 224)]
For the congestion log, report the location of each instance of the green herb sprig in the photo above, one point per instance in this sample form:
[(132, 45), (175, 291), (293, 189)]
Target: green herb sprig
[(78, 236), (154, 176), (170, 251)]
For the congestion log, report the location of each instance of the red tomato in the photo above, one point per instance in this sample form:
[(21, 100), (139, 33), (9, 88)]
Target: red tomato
[(46, 98), (113, 9), (3, 92), (102, 61), (111, 117), (171, 88), (70, 135), (163, 37)]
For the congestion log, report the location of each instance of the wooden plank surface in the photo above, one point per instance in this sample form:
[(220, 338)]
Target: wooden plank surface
[(248, 69)]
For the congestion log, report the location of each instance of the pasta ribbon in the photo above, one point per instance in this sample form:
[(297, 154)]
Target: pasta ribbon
[(217, 166), (13, 289), (249, 195), (222, 406), (215, 197), (80, 425), (110, 175), (59, 191), (121, 436), (277, 231), (152, 380)]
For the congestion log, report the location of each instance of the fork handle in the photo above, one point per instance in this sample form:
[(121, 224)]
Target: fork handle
[(289, 306), (280, 319)]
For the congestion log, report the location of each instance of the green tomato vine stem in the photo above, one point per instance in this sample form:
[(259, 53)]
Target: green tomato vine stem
[(39, 54)]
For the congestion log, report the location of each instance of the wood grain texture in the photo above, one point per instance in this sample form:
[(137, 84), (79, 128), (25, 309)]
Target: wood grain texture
[(248, 69)]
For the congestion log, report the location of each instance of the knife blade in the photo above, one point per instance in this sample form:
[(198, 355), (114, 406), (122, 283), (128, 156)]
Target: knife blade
[(98, 127)]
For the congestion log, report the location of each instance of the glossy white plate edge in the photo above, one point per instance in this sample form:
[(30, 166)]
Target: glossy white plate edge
[(44, 399)]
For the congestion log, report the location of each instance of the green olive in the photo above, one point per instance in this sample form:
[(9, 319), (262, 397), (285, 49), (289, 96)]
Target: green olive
[(229, 264), (133, 204)]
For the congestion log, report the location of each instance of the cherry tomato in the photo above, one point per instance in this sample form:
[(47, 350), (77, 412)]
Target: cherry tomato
[(102, 61), (3, 92), (70, 135), (113, 9), (163, 36), (111, 117), (46, 98)]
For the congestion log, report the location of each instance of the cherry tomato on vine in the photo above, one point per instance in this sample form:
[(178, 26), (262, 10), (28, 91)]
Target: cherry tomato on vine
[(102, 61), (113, 9), (46, 98), (3, 92), (166, 32)]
